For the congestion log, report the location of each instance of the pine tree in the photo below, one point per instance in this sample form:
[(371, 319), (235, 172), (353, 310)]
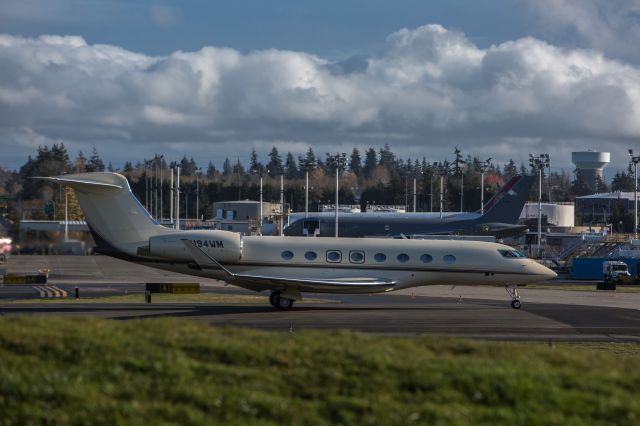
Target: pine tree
[(275, 163), (211, 170), (128, 167), (80, 163), (255, 166), (579, 185), (227, 170), (95, 163), (370, 163), (622, 182), (238, 169), (355, 162), (510, 169), (387, 158), (291, 170)]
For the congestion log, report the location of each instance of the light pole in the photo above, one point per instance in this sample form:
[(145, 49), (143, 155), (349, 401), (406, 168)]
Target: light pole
[(539, 162), (197, 194), (635, 159), (259, 170), (66, 214), (338, 161), (171, 193), (442, 172), (161, 187), (177, 192), (281, 204), (307, 165), (483, 169), (415, 195), (458, 166)]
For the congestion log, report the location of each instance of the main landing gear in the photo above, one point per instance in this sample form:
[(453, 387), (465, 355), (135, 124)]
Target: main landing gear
[(515, 297), (280, 302)]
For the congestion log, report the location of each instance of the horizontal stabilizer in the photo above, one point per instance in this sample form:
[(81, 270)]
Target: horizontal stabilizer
[(74, 183)]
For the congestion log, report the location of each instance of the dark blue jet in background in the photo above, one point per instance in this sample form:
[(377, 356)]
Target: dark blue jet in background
[(499, 220)]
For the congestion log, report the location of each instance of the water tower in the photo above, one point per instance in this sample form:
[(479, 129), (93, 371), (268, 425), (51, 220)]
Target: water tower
[(590, 164)]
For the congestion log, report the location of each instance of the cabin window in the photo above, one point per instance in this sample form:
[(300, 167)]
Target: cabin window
[(449, 259), (287, 255), (426, 258), (387, 227), (310, 255), (334, 256), (403, 258), (356, 256), (511, 253), (380, 257)]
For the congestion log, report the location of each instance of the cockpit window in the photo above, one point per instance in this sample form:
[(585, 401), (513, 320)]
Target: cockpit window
[(511, 253)]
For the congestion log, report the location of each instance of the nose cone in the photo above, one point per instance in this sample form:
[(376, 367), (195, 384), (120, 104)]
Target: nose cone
[(542, 272)]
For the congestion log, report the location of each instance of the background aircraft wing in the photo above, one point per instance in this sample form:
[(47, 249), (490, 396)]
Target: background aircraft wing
[(203, 259)]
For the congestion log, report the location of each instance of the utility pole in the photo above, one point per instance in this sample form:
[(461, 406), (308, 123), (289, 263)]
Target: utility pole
[(177, 224), (539, 162), (171, 199), (442, 172), (414, 195), (306, 165), (338, 161), (281, 205), (483, 169), (161, 186), (197, 198), (66, 214), (635, 159), (261, 214)]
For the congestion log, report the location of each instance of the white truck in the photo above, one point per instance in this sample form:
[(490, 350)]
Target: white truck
[(616, 271)]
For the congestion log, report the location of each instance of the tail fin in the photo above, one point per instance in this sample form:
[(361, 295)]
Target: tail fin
[(115, 216), (507, 204)]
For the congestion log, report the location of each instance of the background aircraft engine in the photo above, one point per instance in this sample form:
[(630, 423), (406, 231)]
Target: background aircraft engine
[(223, 246)]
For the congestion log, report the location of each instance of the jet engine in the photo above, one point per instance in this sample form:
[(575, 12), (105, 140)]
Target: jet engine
[(223, 246)]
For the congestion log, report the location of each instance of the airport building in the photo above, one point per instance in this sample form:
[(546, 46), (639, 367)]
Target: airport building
[(601, 208)]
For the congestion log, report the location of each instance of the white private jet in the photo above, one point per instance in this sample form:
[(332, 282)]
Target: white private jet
[(290, 266)]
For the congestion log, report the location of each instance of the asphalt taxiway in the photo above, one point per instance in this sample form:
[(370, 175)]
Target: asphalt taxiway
[(476, 312)]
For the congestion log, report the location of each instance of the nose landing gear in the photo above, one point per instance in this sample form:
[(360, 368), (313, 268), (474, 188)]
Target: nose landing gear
[(515, 297)]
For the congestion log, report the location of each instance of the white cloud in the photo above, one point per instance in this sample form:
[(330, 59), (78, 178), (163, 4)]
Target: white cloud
[(430, 89), (612, 26)]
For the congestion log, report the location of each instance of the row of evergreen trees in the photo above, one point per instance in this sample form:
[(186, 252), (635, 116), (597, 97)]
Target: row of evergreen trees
[(377, 177)]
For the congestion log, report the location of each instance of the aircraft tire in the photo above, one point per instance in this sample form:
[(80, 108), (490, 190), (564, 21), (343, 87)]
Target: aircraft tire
[(284, 303), (280, 302), (515, 304), (272, 298)]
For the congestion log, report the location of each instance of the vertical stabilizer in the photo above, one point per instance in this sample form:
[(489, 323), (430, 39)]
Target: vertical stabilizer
[(506, 205), (114, 215)]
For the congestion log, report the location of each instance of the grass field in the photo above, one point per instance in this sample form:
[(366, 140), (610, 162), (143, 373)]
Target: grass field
[(165, 371)]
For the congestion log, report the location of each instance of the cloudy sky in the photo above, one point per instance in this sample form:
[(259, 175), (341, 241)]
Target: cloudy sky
[(499, 78)]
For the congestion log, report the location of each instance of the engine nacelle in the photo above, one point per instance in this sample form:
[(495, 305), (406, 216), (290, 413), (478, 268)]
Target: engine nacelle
[(223, 246)]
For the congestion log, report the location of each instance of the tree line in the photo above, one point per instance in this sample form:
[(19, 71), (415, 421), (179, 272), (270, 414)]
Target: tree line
[(375, 176)]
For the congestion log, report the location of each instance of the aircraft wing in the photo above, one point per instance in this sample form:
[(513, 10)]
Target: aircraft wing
[(308, 284)]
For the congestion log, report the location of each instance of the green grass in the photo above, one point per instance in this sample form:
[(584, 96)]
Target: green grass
[(87, 371)]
